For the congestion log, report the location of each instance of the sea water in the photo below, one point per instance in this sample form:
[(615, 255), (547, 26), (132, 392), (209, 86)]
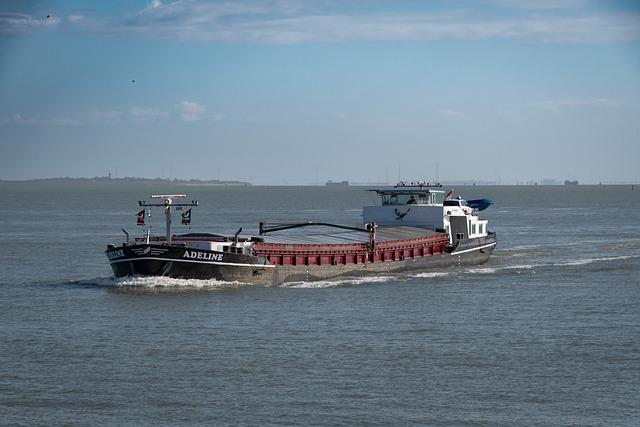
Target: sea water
[(546, 333)]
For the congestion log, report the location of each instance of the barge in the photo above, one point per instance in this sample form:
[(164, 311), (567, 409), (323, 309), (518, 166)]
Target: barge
[(415, 228)]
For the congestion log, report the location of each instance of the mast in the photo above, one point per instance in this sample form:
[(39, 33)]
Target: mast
[(168, 203)]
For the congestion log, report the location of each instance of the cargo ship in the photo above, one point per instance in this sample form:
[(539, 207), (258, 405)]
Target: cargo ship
[(414, 228)]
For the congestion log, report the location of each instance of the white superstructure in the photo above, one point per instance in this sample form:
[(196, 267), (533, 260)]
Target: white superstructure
[(461, 221), (426, 207)]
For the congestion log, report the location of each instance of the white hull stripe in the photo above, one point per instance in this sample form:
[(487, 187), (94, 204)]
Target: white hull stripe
[(474, 249), (193, 261)]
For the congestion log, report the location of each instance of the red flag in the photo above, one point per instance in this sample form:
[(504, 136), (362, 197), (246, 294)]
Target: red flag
[(449, 194), (141, 217)]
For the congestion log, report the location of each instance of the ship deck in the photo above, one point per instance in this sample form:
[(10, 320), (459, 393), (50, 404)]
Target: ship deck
[(383, 234), (304, 237)]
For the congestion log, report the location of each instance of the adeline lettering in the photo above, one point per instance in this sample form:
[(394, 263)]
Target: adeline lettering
[(202, 256), (118, 253)]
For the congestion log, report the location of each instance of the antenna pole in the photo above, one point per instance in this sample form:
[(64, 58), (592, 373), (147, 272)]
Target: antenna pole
[(167, 208), (167, 213)]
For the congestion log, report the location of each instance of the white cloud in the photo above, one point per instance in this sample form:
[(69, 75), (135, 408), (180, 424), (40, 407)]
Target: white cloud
[(91, 117), (556, 105), (75, 18), (280, 22), (62, 121), (12, 23), (186, 111), (98, 117), (190, 111), (297, 21), (146, 114), (17, 119)]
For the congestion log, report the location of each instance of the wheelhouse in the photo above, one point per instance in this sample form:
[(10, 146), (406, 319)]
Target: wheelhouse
[(411, 197), (424, 206), (414, 205)]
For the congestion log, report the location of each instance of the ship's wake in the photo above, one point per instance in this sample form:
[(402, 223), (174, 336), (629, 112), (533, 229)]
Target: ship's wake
[(173, 283), (158, 283), (338, 283), (532, 267)]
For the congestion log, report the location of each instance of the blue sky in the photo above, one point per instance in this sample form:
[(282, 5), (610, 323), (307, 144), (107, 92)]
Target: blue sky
[(292, 91)]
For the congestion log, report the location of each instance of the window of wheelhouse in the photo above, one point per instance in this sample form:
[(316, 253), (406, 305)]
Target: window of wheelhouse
[(419, 198), (389, 199)]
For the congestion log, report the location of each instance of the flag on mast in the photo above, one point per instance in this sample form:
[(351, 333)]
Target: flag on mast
[(140, 217), (449, 194), (186, 217)]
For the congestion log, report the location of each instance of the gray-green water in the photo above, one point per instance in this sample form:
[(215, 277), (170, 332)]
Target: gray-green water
[(546, 333)]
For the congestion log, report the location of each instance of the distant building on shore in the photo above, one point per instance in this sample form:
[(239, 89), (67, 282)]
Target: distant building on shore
[(567, 182)]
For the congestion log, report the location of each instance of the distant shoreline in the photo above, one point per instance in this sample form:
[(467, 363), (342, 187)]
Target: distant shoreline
[(108, 180)]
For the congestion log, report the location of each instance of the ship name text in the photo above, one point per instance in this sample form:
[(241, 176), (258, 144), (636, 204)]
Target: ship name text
[(202, 255), (118, 253)]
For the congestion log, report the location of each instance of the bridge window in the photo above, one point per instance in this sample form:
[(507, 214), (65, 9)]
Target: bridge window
[(417, 197), (388, 199)]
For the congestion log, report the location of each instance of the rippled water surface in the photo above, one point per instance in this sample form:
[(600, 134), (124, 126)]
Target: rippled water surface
[(546, 333)]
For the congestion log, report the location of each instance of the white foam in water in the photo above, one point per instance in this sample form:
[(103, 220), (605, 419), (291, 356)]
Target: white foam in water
[(492, 270), (168, 282), (430, 274), (487, 270), (586, 261), (577, 262), (521, 248), (337, 283), (520, 267)]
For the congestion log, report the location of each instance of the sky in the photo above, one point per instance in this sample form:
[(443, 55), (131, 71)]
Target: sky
[(300, 92)]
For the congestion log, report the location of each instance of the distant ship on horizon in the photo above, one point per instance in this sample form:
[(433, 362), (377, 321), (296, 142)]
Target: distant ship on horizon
[(337, 184)]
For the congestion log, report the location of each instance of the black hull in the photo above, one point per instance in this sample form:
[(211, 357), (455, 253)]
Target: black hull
[(188, 263), (183, 262)]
